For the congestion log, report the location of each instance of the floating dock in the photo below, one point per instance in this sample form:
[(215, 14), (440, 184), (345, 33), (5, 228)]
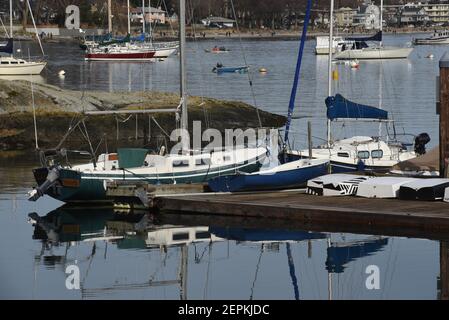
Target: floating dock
[(419, 219)]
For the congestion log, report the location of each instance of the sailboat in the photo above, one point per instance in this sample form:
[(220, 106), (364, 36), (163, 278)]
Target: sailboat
[(360, 50), (10, 65), (87, 182), (357, 153), (119, 49), (289, 175)]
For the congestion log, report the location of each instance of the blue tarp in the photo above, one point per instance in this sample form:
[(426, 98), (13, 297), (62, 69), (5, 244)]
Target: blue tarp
[(338, 107), (376, 37), (7, 47), (140, 38)]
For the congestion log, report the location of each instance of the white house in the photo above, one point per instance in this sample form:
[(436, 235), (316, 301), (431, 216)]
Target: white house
[(368, 16), (152, 15), (218, 22)]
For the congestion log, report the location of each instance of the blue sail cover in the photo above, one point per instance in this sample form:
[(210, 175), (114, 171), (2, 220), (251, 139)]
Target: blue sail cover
[(7, 47), (140, 38), (376, 37), (338, 107)]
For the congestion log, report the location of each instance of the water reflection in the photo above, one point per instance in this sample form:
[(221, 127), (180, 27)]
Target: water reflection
[(190, 257)]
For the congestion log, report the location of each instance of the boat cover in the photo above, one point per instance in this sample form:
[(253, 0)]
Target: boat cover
[(335, 184), (338, 107), (382, 187), (7, 47), (376, 37), (427, 162), (424, 189)]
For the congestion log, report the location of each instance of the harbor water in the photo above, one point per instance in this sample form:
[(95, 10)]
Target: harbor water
[(142, 256)]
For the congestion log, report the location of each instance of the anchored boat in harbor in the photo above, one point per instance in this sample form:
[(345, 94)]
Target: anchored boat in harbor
[(438, 37)]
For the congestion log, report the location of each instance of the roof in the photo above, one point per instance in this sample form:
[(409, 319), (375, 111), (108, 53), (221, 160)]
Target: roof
[(153, 10), (219, 20)]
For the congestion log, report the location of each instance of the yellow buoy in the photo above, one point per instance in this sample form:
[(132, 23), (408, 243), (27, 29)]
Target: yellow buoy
[(335, 74), (263, 70)]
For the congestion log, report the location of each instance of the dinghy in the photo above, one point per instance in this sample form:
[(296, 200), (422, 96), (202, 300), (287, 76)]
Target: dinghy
[(424, 189), (382, 187), (221, 69), (286, 176), (335, 185)]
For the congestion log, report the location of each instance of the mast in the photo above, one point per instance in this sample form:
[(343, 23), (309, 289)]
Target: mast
[(109, 17), (129, 22), (150, 30), (291, 104), (143, 17), (10, 23), (381, 17), (10, 18), (329, 80), (182, 55)]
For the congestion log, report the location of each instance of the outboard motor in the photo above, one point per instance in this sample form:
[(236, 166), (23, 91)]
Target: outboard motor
[(420, 143), (52, 177)]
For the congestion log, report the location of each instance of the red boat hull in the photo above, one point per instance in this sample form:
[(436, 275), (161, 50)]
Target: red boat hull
[(120, 56)]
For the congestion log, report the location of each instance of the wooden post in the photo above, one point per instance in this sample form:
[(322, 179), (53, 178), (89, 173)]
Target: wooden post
[(444, 114), (444, 270), (309, 138)]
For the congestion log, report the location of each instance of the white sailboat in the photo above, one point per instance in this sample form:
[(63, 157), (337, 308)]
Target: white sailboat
[(357, 153), (87, 182), (10, 65), (361, 51)]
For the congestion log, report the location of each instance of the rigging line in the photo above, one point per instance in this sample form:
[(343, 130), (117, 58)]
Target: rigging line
[(257, 271), (4, 28), (202, 73), (162, 129), (90, 144), (246, 64), (35, 28)]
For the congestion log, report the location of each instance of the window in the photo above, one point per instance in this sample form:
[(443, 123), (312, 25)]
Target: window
[(5, 62), (181, 236), (343, 154), (180, 163), (377, 154), (363, 154), (202, 235), (14, 62), (226, 158), (202, 162)]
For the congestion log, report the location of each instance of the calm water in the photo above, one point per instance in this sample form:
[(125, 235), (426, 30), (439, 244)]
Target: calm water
[(140, 256)]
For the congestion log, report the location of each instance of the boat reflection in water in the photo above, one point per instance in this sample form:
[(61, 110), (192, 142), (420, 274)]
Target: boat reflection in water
[(75, 236)]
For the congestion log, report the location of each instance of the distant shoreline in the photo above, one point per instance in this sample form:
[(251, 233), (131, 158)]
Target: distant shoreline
[(245, 34)]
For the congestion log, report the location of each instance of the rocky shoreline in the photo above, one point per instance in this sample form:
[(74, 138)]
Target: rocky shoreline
[(57, 109)]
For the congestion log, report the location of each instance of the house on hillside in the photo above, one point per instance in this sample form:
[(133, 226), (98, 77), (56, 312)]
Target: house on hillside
[(218, 22)]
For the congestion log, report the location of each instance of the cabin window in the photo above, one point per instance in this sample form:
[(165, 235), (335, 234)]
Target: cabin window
[(21, 62), (14, 62), (377, 154), (363, 154), (202, 162), (5, 62), (226, 158), (202, 235), (181, 236), (343, 154), (180, 163)]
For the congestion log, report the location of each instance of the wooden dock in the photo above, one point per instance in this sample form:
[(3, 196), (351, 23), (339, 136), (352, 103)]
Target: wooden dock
[(393, 217)]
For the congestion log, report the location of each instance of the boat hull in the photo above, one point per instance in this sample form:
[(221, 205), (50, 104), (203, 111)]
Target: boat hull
[(75, 186), (374, 53), (138, 56), (288, 179), (29, 68), (342, 167), (431, 41)]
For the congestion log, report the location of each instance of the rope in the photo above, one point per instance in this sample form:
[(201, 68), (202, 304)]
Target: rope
[(246, 64)]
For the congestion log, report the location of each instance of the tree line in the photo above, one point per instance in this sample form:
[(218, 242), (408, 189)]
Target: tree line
[(276, 14)]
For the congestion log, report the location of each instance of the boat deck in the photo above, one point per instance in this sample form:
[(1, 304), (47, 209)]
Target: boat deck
[(419, 219)]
